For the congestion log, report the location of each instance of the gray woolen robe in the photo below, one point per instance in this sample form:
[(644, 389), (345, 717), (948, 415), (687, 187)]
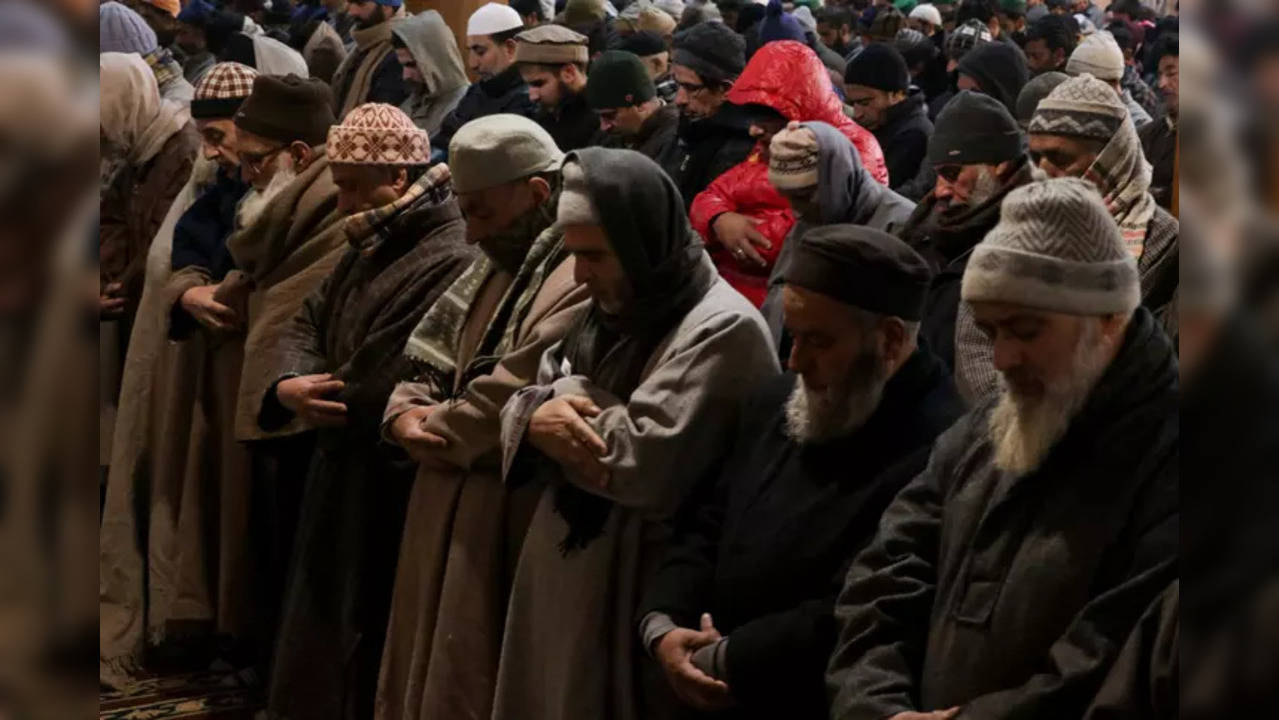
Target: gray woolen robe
[(569, 650)]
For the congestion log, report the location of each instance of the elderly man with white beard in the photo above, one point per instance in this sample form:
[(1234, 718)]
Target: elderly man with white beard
[(1004, 579), (819, 453)]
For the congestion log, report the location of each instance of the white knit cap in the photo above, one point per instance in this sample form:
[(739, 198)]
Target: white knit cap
[(1098, 55), (928, 13), (1055, 248), (493, 18)]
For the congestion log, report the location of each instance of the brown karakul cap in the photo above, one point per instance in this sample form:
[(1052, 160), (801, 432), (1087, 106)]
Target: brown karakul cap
[(551, 45), (288, 108)]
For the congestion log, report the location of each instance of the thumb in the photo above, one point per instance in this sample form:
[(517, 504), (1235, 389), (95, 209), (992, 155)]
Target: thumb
[(583, 405), (707, 622)]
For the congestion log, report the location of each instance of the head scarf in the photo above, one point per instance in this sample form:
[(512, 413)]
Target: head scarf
[(643, 216), (1123, 174), (133, 117)]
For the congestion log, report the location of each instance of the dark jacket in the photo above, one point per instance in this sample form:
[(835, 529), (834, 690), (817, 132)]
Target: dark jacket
[(502, 93), (1159, 143), (999, 69), (904, 137), (946, 243), (1011, 596), (766, 552), (573, 124), (705, 150), (658, 136), (199, 237)]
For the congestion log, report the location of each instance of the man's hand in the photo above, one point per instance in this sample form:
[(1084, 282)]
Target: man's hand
[(304, 395), (737, 233), (199, 302), (559, 430), (409, 432), (675, 655), (934, 715), (110, 304)]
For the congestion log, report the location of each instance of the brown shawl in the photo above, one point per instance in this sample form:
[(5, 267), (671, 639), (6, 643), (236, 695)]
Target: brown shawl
[(281, 258), (354, 76)]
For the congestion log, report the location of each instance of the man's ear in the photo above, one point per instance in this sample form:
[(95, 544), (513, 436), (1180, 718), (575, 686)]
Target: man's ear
[(302, 154), (894, 341), (401, 182), (540, 188), (509, 46)]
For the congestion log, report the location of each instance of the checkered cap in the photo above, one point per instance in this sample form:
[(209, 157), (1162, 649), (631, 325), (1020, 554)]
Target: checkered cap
[(222, 89), (378, 134)]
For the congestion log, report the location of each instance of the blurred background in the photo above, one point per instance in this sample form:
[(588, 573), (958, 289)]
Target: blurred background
[(1228, 201)]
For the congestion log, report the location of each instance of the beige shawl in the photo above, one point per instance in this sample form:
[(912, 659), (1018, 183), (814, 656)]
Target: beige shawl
[(133, 116)]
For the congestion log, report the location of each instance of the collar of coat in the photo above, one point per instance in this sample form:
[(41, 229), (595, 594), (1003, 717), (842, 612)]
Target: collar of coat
[(368, 231)]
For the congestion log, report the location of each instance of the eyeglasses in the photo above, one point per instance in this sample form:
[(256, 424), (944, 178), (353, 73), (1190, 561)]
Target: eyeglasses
[(257, 161)]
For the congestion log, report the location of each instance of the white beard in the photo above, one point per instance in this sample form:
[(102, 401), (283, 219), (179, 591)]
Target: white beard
[(1023, 430), (813, 416), (255, 201)]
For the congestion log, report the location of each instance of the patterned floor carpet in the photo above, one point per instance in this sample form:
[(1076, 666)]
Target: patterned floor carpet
[(194, 696)]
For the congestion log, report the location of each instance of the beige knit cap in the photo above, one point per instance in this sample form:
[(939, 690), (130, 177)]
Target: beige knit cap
[(378, 134), (793, 158), (497, 149), (1098, 55)]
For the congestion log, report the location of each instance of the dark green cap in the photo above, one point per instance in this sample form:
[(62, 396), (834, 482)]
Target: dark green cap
[(618, 79)]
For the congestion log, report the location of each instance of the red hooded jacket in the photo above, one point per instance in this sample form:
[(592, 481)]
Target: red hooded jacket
[(788, 77)]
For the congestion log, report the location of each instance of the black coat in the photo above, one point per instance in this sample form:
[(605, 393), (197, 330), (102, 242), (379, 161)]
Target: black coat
[(706, 149), (765, 554), (904, 138), (1011, 596), (573, 125), (506, 92), (1159, 143)]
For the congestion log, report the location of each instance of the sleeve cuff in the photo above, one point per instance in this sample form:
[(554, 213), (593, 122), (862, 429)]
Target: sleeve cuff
[(712, 659), (653, 627)]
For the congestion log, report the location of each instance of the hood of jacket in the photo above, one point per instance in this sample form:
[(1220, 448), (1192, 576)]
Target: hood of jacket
[(432, 45), (846, 191)]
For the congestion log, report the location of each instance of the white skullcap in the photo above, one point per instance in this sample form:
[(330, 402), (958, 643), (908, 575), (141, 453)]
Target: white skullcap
[(493, 18), (928, 13)]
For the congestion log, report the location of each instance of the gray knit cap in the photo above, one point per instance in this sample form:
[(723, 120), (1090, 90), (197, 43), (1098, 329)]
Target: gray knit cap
[(576, 206), (497, 149), (1080, 107), (1056, 248)]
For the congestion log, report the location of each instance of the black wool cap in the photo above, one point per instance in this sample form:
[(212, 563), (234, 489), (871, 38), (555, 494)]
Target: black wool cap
[(879, 66), (975, 129), (288, 108), (643, 43), (862, 267), (618, 79), (711, 50)]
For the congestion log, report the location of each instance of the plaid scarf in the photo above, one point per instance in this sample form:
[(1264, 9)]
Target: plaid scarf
[(367, 231), (433, 346), (1122, 174), (165, 68)]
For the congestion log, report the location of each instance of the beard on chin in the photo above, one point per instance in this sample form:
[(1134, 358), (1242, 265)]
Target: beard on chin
[(984, 189), (1023, 429), (814, 416), (255, 201), (509, 247)]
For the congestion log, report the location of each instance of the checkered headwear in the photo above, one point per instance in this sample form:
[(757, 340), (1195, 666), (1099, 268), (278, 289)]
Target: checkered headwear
[(378, 134), (222, 89)]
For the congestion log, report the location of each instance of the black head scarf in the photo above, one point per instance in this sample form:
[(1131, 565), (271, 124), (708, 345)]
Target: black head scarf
[(643, 216)]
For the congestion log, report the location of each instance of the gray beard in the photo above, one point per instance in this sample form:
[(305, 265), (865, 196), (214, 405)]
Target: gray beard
[(1024, 430), (986, 187), (256, 201), (814, 417)]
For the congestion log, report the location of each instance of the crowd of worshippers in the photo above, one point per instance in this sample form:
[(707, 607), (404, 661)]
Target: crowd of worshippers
[(697, 359)]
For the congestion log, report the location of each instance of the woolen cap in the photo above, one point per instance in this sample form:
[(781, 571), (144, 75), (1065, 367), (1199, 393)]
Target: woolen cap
[(644, 43), (222, 90), (975, 129), (497, 149), (1055, 248), (551, 45), (493, 18), (966, 37), (711, 50), (793, 157), (1080, 107), (618, 79), (1098, 55), (288, 108), (120, 29), (878, 66), (378, 134), (1035, 91), (863, 267)]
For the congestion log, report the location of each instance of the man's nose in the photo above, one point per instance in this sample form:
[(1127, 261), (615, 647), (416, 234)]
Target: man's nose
[(1006, 355)]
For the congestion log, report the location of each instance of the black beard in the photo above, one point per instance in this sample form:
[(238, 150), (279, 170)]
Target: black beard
[(508, 248)]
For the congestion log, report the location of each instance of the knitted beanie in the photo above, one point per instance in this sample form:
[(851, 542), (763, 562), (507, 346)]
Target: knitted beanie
[(1098, 55), (222, 90), (497, 149), (878, 66), (576, 206), (197, 12), (916, 48), (793, 158), (711, 50), (966, 37), (122, 30), (779, 25), (928, 13), (975, 129), (288, 108), (172, 7), (618, 79), (1080, 107), (378, 134), (1034, 93), (805, 18), (644, 43), (1055, 248)]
